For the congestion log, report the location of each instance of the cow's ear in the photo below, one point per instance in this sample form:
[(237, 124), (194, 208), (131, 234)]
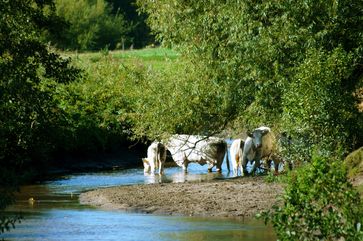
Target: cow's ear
[(250, 134)]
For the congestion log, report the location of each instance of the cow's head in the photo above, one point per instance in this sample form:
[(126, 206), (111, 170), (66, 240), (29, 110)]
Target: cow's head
[(257, 135)]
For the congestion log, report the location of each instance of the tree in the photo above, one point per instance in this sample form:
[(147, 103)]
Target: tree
[(259, 54), (29, 73), (91, 25), (139, 35)]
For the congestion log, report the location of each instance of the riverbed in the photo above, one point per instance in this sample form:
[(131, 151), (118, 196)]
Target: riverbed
[(52, 211)]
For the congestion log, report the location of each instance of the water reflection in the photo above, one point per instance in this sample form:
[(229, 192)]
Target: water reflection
[(179, 177), (103, 225), (55, 213)]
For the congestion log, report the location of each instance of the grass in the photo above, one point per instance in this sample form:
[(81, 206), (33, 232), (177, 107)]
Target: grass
[(156, 58)]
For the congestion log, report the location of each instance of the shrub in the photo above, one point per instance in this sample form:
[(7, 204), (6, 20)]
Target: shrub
[(319, 204), (317, 111)]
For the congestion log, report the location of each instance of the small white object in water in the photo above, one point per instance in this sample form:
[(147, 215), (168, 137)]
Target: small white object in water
[(31, 201)]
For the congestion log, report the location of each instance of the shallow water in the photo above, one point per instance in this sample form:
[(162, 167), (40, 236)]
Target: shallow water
[(55, 213)]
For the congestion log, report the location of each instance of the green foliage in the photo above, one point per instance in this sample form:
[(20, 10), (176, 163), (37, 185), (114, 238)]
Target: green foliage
[(270, 61), (91, 25), (29, 73), (94, 108), (317, 107), (98, 108), (159, 102), (319, 204)]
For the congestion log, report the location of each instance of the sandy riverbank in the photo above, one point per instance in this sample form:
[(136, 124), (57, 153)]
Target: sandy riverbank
[(238, 197)]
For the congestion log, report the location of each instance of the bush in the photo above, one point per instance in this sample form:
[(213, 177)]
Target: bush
[(317, 111), (319, 204)]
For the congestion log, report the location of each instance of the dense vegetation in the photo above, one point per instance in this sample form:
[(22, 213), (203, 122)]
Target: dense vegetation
[(319, 203), (290, 65), (94, 25), (294, 66), (29, 75), (99, 107)]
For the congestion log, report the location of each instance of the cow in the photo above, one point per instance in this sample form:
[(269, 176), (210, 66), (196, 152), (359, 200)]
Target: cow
[(236, 151), (186, 149), (260, 143), (156, 156)]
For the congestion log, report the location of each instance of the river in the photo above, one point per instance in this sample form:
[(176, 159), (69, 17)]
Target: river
[(56, 214)]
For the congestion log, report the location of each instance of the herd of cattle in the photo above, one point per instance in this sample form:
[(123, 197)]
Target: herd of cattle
[(259, 145)]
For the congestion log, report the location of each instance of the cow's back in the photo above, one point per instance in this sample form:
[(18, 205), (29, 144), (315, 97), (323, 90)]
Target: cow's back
[(214, 148), (268, 144), (195, 148)]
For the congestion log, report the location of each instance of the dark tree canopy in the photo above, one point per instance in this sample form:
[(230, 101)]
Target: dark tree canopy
[(29, 72)]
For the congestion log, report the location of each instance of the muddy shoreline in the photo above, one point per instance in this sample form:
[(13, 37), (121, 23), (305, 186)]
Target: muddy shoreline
[(237, 198)]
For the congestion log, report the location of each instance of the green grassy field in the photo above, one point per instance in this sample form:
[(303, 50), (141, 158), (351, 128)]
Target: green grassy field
[(154, 57)]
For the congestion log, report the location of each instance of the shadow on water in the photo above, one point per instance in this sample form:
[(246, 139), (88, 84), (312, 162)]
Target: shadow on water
[(52, 211)]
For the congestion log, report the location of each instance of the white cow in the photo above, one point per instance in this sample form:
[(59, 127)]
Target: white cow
[(156, 156), (236, 151), (260, 143), (199, 149)]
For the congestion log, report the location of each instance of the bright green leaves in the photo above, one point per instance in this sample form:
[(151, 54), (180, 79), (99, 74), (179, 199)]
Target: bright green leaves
[(319, 203), (316, 104), (173, 100), (265, 57)]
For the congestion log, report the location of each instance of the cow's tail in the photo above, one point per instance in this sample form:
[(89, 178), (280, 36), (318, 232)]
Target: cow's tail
[(227, 159)]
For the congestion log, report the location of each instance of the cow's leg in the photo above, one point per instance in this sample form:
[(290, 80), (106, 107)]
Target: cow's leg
[(210, 167), (276, 166), (240, 168), (235, 171), (236, 163), (185, 165), (219, 167), (268, 164), (255, 166), (257, 161), (244, 165), (239, 165), (157, 165), (145, 161), (152, 166), (161, 167), (219, 161)]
